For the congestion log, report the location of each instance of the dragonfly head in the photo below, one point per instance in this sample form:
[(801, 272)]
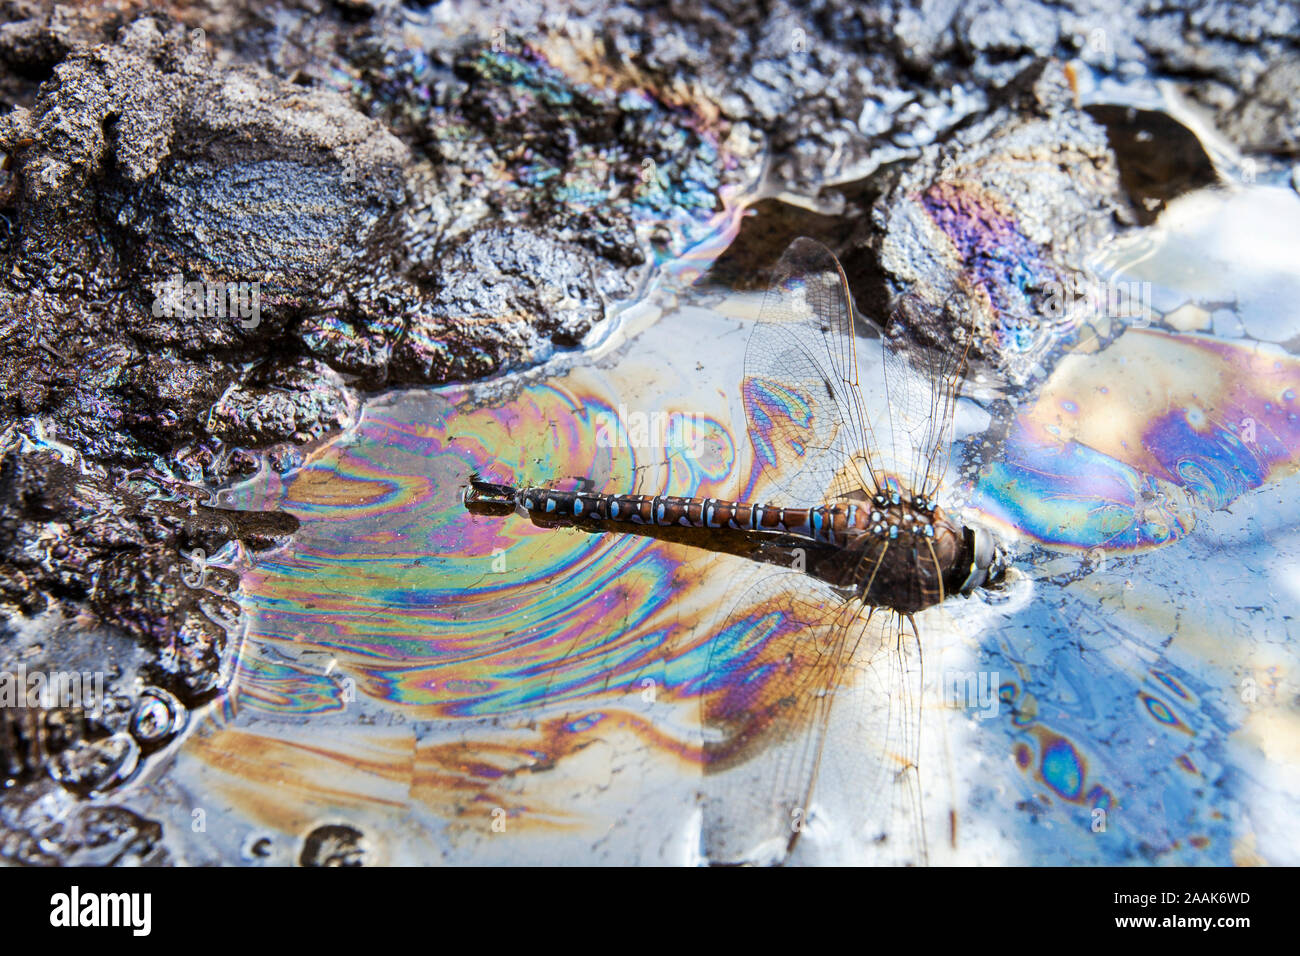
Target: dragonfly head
[(982, 560)]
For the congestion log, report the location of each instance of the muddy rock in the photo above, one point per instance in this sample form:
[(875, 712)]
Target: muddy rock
[(287, 400), (215, 202), (1237, 59), (271, 184), (42, 826), (137, 561), (509, 296), (334, 845), (1267, 119), (999, 219), (510, 139), (108, 587)]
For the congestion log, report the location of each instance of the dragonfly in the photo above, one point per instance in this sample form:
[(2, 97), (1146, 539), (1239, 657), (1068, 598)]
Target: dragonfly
[(825, 654)]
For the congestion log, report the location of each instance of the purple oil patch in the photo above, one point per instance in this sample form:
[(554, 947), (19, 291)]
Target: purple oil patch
[(1121, 447), (996, 256)]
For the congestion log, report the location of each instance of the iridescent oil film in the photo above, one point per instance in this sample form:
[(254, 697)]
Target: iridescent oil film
[(475, 689)]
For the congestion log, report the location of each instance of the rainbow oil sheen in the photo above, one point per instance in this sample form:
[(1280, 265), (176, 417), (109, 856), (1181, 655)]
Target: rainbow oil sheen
[(466, 689)]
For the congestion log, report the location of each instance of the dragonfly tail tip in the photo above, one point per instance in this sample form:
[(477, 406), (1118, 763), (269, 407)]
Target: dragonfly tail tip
[(482, 492)]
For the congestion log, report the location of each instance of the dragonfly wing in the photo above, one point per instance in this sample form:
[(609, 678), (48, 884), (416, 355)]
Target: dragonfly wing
[(876, 797), (802, 725), (922, 383), (888, 810), (763, 713), (804, 411)]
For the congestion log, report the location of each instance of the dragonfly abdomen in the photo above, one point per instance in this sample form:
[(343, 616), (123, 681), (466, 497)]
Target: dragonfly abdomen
[(830, 524)]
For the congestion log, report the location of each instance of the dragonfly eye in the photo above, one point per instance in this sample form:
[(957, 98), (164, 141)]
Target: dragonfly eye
[(985, 557)]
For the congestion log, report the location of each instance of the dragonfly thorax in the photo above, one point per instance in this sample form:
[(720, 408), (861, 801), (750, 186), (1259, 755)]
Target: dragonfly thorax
[(893, 515), (910, 551)]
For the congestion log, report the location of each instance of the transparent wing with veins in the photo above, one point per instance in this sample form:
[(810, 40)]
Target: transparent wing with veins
[(810, 715), (922, 384), (813, 437), (804, 410)]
